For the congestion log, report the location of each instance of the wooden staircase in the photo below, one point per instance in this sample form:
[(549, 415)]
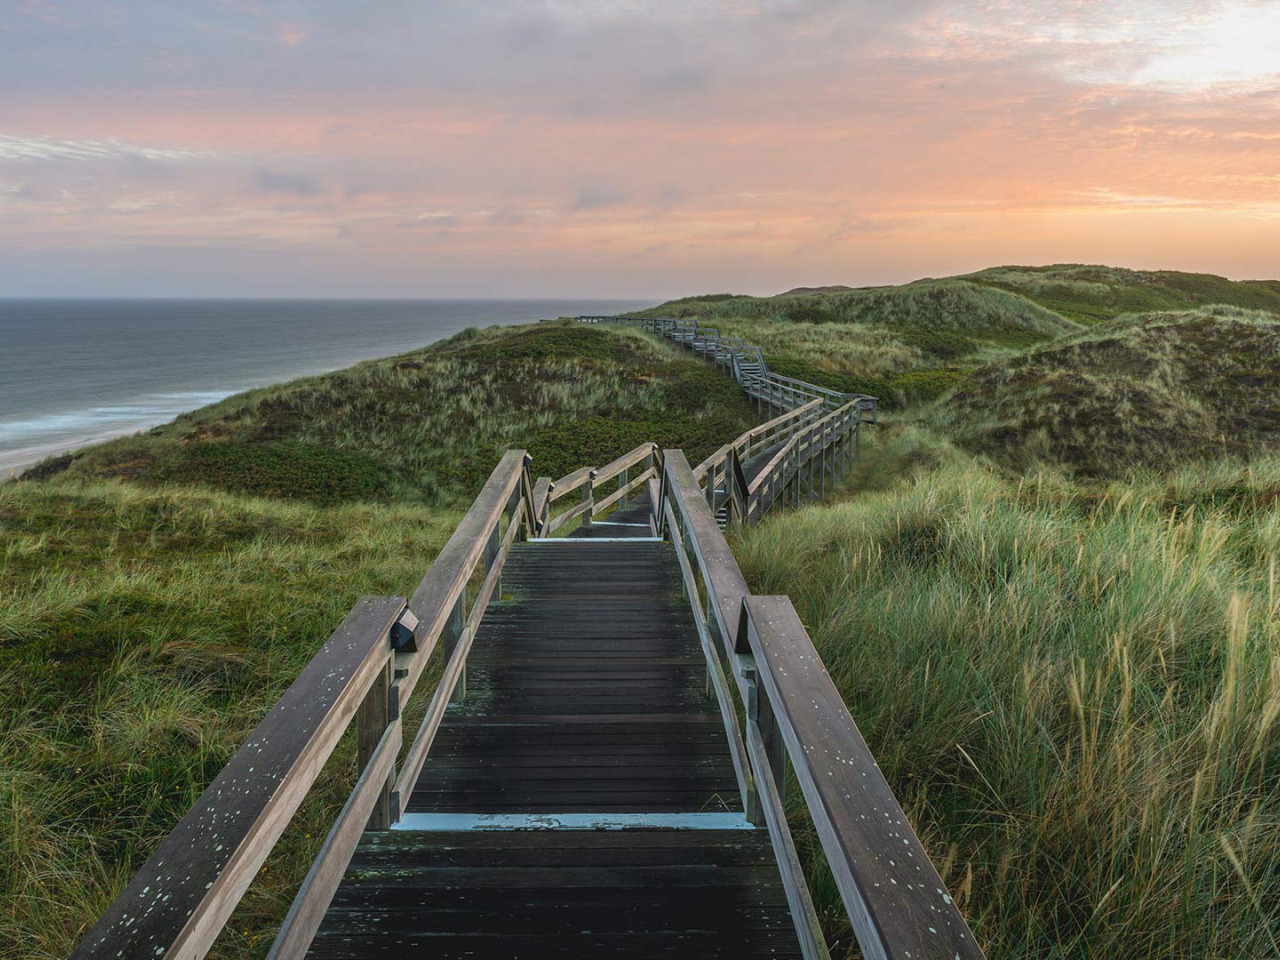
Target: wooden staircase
[(601, 767), (582, 793)]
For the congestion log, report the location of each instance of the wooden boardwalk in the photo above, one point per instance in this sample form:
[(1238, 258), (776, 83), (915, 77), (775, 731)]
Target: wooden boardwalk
[(586, 714), (601, 767)]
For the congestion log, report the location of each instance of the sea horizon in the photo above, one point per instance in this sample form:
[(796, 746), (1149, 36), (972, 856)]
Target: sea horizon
[(79, 370)]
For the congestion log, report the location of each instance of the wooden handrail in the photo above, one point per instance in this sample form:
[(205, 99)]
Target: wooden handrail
[(785, 421), (897, 905), (571, 481), (179, 900), (446, 581), (590, 479), (624, 462), (465, 625), (895, 900)]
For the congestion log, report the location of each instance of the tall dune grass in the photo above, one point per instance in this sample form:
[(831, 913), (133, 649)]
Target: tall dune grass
[(143, 633), (1073, 691)]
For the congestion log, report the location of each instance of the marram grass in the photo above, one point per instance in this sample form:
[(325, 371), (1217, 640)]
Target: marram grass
[(143, 633), (1074, 692)]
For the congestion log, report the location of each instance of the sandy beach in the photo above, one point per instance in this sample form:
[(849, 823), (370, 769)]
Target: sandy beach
[(14, 462)]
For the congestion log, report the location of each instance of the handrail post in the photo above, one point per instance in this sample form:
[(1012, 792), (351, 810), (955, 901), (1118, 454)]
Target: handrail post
[(588, 497), (623, 480), (761, 722), (451, 637), (373, 717), (493, 545)]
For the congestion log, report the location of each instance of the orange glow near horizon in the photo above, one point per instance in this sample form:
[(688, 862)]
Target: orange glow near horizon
[(629, 148)]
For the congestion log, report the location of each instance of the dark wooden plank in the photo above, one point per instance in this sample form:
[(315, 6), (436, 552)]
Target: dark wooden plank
[(179, 900), (896, 901), (587, 692), (529, 894)]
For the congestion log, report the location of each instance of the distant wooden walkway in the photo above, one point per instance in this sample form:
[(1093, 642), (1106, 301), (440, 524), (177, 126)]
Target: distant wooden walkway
[(602, 764)]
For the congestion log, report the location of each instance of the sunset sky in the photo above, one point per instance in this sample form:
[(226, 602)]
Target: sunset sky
[(626, 147)]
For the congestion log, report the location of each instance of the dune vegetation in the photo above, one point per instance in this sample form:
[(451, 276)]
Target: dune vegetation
[(1073, 690), (429, 425), (143, 633), (1150, 390), (1050, 592), (913, 343)]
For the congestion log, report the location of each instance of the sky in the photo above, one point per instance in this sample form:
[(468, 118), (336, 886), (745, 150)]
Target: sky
[(630, 148)]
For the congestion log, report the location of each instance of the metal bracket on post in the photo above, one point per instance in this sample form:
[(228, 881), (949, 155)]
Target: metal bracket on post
[(402, 638)]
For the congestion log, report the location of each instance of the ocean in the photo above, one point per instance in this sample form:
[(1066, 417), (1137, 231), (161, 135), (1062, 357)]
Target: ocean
[(76, 371)]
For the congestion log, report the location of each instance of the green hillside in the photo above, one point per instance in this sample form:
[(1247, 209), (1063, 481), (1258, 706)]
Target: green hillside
[(912, 343), (429, 425), (1154, 390), (1093, 294), (1048, 595)]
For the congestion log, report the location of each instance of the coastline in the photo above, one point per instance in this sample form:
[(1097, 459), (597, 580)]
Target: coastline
[(13, 463)]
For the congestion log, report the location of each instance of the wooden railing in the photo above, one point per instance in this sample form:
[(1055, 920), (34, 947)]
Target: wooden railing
[(631, 473), (816, 456), (793, 714), (179, 901), (746, 363)]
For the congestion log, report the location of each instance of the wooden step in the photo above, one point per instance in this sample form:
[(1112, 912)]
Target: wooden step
[(531, 894)]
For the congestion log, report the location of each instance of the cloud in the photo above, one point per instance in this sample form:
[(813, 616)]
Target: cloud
[(290, 34), (43, 149), (682, 80), (597, 198), (298, 184), (567, 138)]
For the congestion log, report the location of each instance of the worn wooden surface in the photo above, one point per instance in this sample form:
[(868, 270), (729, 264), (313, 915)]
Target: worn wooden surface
[(316, 892), (529, 894), (587, 692)]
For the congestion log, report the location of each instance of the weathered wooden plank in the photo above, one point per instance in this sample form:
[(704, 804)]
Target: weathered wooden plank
[(453, 671), (541, 500), (634, 893), (571, 481), (560, 519), (813, 944), (178, 902), (726, 585), (316, 892), (626, 461), (622, 493), (896, 901)]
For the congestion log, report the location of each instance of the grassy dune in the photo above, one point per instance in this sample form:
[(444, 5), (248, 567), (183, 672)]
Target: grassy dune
[(1094, 294), (1051, 598), (1153, 390), (1073, 691), (143, 633), (912, 343), (428, 426)]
